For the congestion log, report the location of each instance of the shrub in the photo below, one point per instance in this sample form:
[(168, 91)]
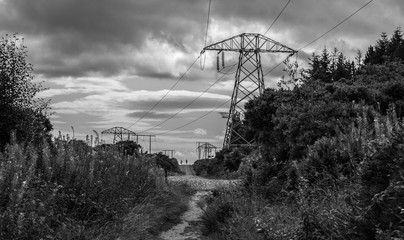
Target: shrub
[(208, 167)]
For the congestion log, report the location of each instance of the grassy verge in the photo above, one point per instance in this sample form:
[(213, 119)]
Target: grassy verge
[(68, 191)]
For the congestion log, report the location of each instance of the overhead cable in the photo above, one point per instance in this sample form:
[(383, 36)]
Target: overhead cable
[(277, 17), (189, 104), (165, 95), (203, 60), (322, 35), (316, 39)]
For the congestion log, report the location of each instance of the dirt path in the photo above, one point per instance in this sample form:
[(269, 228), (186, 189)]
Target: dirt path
[(187, 169), (190, 227)]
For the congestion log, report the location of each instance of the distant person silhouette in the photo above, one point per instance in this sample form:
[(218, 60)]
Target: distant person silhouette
[(181, 162), (186, 162)]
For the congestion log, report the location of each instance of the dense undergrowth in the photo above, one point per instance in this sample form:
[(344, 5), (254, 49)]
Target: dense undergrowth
[(68, 191), (330, 161)]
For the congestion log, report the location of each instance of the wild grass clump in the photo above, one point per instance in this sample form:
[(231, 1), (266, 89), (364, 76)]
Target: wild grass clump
[(69, 191), (236, 214), (158, 213)]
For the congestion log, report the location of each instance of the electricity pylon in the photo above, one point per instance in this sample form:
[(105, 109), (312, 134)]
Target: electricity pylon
[(249, 79), (205, 150), (119, 132)]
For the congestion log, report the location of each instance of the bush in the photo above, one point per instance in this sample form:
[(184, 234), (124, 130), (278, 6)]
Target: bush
[(208, 167)]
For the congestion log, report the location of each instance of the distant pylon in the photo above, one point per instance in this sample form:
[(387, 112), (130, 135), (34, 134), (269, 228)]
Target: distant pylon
[(119, 133), (205, 150), (249, 79)]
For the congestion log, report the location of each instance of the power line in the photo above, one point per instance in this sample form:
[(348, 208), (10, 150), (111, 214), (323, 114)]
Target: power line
[(277, 65), (157, 103), (202, 116), (202, 65), (197, 119), (189, 104), (277, 17), (322, 35), (181, 77), (316, 39), (207, 23)]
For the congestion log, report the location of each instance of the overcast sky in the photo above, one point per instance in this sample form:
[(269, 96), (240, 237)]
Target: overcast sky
[(107, 62)]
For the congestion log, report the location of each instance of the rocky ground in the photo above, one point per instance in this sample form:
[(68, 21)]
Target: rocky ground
[(190, 227)]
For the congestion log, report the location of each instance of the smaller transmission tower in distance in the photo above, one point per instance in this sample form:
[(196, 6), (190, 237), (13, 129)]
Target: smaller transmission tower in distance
[(205, 150), (167, 153), (119, 133), (249, 79)]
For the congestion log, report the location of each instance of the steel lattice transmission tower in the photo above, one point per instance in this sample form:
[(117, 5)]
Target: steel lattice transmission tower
[(249, 79), (205, 150), (119, 133)]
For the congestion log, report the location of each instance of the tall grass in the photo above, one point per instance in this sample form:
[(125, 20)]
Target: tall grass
[(69, 191)]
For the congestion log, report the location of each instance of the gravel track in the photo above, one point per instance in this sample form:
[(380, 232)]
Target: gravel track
[(200, 183), (190, 227)]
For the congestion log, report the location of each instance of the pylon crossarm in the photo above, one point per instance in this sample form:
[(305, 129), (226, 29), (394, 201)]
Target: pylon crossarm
[(116, 130), (249, 42)]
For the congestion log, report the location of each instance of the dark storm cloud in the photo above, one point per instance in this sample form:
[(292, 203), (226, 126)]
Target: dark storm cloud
[(101, 21), (75, 37), (102, 29)]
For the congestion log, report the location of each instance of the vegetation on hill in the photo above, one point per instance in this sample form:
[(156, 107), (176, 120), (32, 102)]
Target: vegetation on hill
[(330, 162)]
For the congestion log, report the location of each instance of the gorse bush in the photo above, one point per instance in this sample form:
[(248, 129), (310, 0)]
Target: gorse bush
[(70, 193)]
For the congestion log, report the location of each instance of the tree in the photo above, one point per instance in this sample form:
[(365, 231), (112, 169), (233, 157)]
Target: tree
[(395, 46), (320, 67), (20, 111), (386, 49), (168, 164)]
